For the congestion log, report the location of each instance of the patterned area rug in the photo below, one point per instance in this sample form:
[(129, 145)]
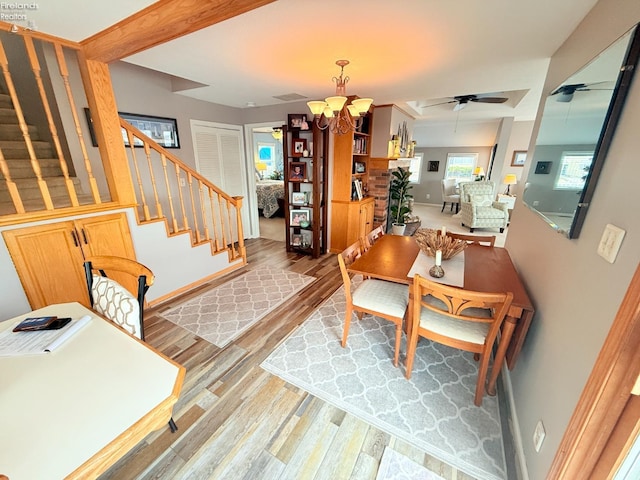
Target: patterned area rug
[(224, 313), (395, 466), (433, 411)]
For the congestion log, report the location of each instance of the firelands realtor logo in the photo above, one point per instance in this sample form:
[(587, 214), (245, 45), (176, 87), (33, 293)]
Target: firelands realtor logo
[(16, 12)]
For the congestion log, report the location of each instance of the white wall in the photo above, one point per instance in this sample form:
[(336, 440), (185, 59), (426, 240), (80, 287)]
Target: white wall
[(576, 293)]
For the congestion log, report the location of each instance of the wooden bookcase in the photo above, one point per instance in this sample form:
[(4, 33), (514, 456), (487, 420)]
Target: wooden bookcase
[(306, 192), (351, 216)]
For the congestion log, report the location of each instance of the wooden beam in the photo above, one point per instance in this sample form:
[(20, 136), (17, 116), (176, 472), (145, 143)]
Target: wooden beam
[(160, 22)]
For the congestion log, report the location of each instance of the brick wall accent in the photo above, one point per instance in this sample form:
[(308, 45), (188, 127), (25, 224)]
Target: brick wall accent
[(379, 181)]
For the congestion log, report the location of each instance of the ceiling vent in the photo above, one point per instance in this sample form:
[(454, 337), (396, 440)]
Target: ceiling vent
[(288, 97)]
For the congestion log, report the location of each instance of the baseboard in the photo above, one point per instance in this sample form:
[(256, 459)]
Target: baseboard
[(521, 463)]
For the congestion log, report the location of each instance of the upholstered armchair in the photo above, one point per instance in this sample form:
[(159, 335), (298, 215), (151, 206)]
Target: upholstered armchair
[(479, 208)]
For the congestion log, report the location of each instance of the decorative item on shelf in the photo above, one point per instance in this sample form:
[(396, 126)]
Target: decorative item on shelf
[(431, 241), (509, 179), (478, 172), (298, 147), (411, 149), (304, 223), (331, 113), (298, 121), (437, 271), (297, 171)]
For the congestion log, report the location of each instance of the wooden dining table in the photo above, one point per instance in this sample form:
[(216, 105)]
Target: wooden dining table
[(486, 269)]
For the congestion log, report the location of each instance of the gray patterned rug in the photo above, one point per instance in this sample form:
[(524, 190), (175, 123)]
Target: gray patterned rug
[(222, 314), (395, 466), (433, 411)]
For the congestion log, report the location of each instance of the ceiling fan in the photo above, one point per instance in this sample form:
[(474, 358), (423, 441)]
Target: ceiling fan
[(461, 101), (565, 92)]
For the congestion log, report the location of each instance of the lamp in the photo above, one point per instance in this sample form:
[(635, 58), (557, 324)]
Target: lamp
[(479, 173), (261, 167), (276, 133), (337, 118), (509, 179)]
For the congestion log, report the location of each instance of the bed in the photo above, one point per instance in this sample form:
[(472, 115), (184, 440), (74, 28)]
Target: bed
[(269, 191)]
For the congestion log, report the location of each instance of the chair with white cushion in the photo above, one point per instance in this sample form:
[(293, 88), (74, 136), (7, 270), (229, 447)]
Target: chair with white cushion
[(458, 318), (115, 302), (110, 298), (449, 194), (479, 207), (383, 299)]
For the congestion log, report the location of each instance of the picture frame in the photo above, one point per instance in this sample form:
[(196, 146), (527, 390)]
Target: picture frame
[(298, 146), (296, 240), (162, 130), (298, 198), (297, 215), (433, 165), (543, 167), (298, 121), (518, 159), (359, 167), (297, 171)]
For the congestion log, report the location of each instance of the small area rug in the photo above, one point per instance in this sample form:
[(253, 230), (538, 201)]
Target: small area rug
[(395, 466), (433, 411), (222, 314)]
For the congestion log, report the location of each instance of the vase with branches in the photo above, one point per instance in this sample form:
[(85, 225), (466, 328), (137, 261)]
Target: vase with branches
[(400, 198)]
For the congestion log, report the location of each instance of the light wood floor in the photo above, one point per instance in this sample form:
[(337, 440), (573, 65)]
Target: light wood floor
[(237, 421)]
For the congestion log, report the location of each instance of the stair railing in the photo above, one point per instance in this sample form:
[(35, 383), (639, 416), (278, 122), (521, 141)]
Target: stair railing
[(172, 191)]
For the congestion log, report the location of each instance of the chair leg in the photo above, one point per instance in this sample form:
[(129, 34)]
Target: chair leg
[(398, 338), (444, 204), (347, 322), (482, 377), (172, 425)]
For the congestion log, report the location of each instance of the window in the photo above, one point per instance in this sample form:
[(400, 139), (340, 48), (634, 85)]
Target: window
[(574, 168), (415, 168), (460, 166)]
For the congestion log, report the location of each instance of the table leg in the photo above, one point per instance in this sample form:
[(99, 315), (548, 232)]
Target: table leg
[(508, 327)]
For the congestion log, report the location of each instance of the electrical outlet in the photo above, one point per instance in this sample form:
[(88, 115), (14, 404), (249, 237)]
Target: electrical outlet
[(536, 203), (183, 182), (538, 436), (428, 196)]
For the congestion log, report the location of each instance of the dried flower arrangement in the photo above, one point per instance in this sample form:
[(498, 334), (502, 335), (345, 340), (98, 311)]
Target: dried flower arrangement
[(430, 240)]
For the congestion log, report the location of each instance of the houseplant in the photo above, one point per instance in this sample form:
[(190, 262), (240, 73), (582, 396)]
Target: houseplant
[(399, 191)]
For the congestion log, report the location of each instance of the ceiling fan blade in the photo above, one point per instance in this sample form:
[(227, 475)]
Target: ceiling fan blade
[(441, 103), (460, 106), (489, 99)]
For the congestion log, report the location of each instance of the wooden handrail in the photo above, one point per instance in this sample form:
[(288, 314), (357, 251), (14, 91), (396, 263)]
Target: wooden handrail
[(208, 213)]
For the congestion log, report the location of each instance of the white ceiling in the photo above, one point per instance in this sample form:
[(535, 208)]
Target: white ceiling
[(419, 51)]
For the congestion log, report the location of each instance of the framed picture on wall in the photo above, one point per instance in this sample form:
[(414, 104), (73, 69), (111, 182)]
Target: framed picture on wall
[(162, 130), (543, 167), (433, 166), (519, 157)]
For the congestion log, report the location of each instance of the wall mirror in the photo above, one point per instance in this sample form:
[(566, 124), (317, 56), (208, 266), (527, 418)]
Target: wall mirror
[(578, 123)]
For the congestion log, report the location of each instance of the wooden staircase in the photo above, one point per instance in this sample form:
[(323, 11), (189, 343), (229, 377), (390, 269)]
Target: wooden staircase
[(16, 154)]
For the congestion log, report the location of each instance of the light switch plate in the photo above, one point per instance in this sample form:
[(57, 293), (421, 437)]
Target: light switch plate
[(610, 242)]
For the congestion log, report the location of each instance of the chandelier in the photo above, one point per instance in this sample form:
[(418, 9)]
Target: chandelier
[(331, 113)]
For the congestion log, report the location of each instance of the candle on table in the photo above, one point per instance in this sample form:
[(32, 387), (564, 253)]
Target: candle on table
[(438, 257), (444, 230)]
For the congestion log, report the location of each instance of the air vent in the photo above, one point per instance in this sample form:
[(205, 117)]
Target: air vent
[(290, 96)]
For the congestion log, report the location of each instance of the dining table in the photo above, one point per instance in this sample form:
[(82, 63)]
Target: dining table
[(486, 269)]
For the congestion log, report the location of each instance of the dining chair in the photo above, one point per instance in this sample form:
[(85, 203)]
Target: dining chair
[(372, 237), (116, 302), (459, 318), (486, 240), (383, 299)]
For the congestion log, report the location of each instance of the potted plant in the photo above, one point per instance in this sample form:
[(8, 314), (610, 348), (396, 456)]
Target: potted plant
[(399, 191)]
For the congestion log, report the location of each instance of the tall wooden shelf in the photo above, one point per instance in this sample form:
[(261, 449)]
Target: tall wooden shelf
[(311, 240), (351, 217)]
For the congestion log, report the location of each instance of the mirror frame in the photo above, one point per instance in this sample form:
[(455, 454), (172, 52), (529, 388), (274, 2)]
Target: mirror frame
[(616, 104)]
